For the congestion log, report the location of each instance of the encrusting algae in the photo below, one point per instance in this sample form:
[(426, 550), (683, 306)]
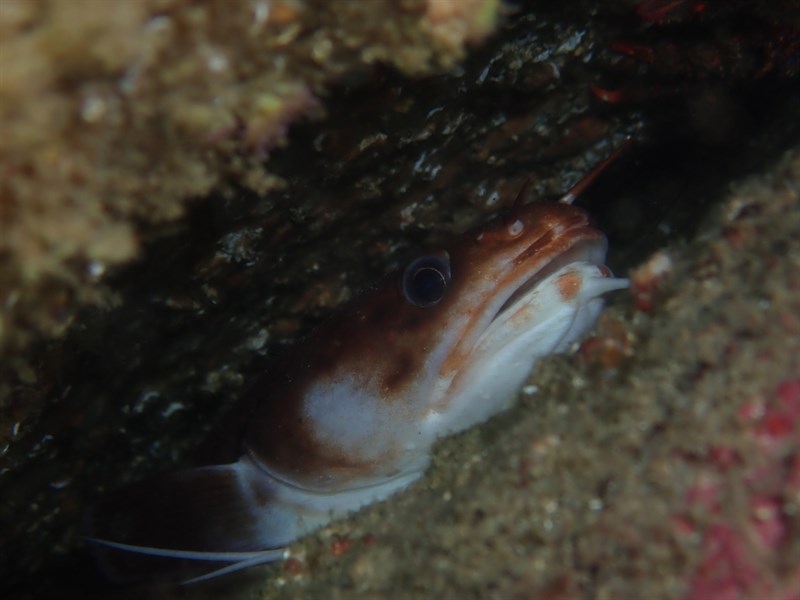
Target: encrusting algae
[(115, 114)]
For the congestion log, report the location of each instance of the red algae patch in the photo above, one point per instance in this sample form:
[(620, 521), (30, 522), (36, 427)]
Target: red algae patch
[(739, 557)]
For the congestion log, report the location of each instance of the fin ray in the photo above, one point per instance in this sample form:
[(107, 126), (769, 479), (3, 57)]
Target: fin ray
[(177, 526)]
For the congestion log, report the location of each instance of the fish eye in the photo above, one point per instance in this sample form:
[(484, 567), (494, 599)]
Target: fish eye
[(425, 280)]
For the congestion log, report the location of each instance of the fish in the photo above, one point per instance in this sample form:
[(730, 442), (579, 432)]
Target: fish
[(349, 417)]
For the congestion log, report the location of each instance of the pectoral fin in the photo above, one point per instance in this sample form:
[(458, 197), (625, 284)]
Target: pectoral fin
[(193, 524)]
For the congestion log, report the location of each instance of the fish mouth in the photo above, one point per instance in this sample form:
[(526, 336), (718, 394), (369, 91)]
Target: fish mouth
[(590, 247)]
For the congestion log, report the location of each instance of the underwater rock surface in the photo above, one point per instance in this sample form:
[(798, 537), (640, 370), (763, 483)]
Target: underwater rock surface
[(622, 471), (116, 115)]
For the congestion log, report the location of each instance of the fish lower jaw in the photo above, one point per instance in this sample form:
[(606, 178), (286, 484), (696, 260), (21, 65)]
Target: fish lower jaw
[(538, 325)]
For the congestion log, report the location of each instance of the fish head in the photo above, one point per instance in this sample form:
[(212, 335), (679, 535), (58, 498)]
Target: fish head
[(443, 344)]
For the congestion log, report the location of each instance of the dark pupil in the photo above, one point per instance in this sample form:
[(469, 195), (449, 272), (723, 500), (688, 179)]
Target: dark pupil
[(427, 286)]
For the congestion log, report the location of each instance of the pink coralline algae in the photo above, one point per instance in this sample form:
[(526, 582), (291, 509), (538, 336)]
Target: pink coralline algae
[(749, 557)]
